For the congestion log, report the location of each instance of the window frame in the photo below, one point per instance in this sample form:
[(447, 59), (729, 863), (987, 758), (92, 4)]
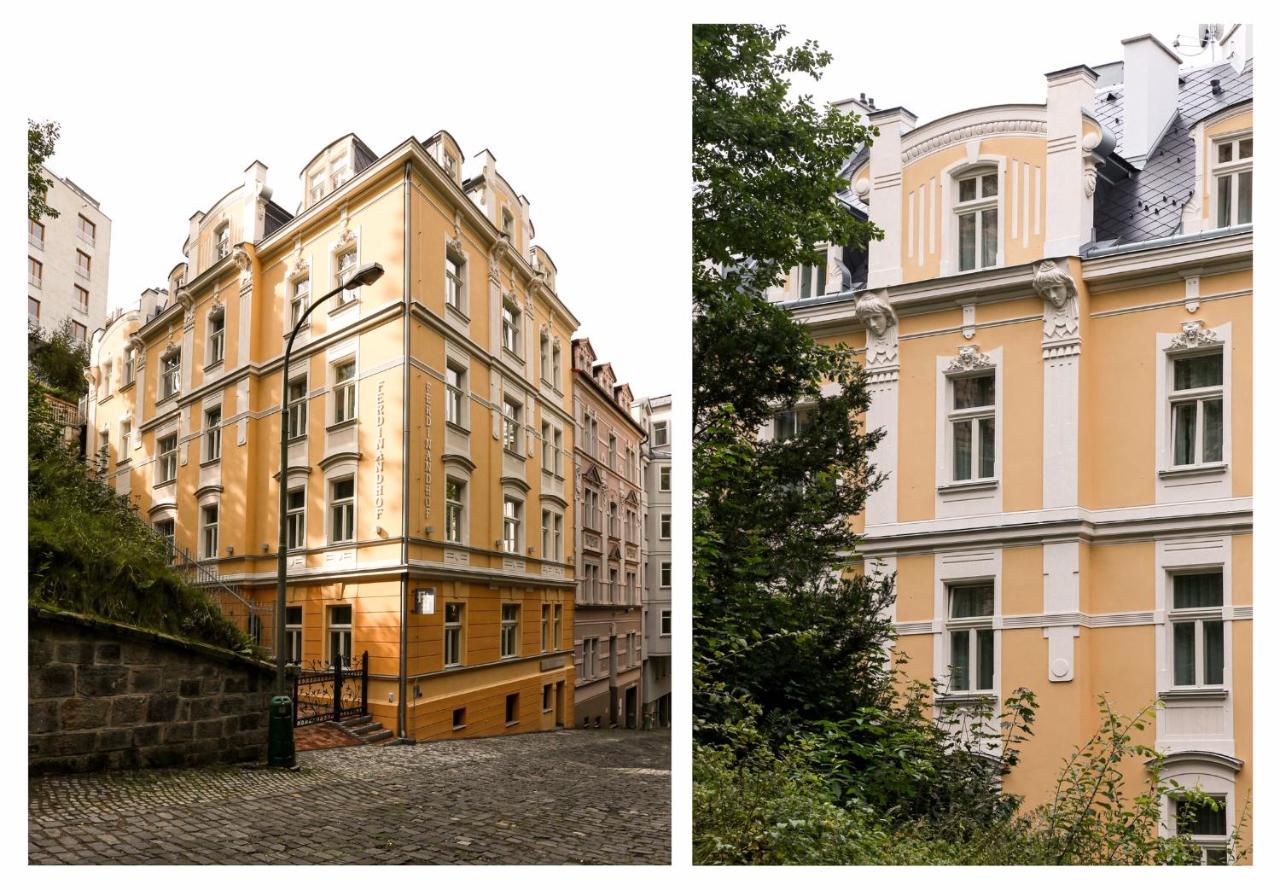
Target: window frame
[(340, 509), (972, 626), (345, 403), (455, 510), (299, 300), (341, 273), (455, 389), (211, 439), (167, 460), (170, 374), (1198, 395), (979, 206), (512, 425), (511, 326), (509, 630), (293, 635), (664, 623), (90, 237), (82, 297), (296, 519), (664, 575), (209, 531), (221, 242), (296, 408), (84, 264), (453, 631), (345, 632), (1232, 170), (1197, 616), (35, 233), (973, 417), (511, 524)]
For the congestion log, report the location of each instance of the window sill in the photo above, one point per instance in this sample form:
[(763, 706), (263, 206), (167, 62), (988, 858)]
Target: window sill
[(457, 427), (344, 304), (513, 355), (1204, 693), (460, 727), (213, 364), (122, 462), (460, 314), (967, 698), (340, 425), (160, 401), (512, 453), (1193, 470), (163, 483), (124, 386), (213, 461), (969, 485), (301, 328), (513, 723), (295, 439)]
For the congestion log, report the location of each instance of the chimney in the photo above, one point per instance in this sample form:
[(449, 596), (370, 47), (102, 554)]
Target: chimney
[(1150, 96)]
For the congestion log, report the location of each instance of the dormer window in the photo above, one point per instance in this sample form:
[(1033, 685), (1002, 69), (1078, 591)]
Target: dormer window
[(977, 219), (222, 240), (1233, 181), (451, 165), (317, 189)]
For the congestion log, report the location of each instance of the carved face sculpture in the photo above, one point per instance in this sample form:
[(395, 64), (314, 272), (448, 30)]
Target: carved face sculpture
[(877, 322), (1058, 296)]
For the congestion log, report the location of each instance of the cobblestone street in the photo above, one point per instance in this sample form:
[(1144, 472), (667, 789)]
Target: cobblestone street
[(592, 797)]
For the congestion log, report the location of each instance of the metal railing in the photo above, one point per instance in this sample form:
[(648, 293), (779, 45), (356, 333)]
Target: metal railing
[(334, 691), (254, 620)]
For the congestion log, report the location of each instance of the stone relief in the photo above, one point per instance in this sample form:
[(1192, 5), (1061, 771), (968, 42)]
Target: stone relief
[(874, 311), (971, 358), (1194, 335), (1061, 300)]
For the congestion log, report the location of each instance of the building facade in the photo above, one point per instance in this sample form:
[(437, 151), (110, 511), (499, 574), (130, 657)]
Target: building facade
[(1057, 331), (609, 541), (654, 414), (429, 424), (68, 261)]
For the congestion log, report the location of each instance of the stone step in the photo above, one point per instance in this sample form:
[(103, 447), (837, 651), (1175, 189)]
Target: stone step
[(377, 737), (365, 729), (353, 722)]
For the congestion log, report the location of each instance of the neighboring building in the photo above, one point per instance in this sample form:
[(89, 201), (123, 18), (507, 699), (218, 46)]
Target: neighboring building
[(609, 545), (1057, 328), (655, 416), (429, 423), (68, 259)]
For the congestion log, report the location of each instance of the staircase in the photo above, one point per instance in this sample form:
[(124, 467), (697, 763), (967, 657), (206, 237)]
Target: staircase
[(366, 729)]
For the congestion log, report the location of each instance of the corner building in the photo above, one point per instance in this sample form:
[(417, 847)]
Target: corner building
[(608, 629), (429, 426), (1057, 330)]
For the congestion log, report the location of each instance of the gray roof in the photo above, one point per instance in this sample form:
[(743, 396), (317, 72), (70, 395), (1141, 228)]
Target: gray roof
[(1148, 204)]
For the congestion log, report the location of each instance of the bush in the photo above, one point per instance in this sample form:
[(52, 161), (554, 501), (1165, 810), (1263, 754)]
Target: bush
[(88, 550)]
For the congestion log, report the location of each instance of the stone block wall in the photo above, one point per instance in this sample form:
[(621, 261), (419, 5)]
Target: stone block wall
[(107, 696)]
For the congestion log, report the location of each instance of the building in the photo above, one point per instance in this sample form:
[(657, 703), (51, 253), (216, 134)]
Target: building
[(610, 545), (429, 423), (68, 260), (1057, 330), (654, 415)]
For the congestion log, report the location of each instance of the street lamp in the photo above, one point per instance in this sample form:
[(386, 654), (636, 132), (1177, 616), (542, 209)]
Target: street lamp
[(280, 741)]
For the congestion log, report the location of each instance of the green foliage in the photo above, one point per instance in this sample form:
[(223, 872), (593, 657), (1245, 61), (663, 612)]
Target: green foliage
[(58, 361), (41, 140), (88, 551)]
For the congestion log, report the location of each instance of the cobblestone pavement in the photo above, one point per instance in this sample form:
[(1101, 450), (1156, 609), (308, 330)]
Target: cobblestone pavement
[(577, 796)]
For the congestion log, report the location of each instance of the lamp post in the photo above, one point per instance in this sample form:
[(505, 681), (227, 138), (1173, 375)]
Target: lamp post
[(280, 741)]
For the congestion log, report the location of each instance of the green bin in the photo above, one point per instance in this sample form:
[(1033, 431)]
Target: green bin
[(280, 732)]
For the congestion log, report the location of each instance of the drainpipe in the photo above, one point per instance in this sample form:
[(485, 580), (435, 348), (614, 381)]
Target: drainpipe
[(402, 714)]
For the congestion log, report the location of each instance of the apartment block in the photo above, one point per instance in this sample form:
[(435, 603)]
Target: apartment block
[(68, 261), (654, 414)]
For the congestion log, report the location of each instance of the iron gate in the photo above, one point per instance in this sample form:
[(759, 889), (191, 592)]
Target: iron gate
[(324, 692)]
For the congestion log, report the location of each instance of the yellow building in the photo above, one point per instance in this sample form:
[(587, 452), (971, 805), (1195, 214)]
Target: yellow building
[(1057, 331), (418, 410)]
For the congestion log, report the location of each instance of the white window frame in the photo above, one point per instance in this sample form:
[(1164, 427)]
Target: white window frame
[(546, 626), (221, 241), (216, 338), (299, 300), (664, 478), (512, 424), (297, 408), (167, 461), (345, 631), (664, 526), (557, 625), (973, 417), (344, 392), (455, 507), (127, 368), (212, 434), (814, 276), (455, 290), (511, 523), (341, 273), (555, 363), (544, 354), (296, 519), (455, 389), (972, 626), (511, 325), (664, 575), (509, 635), (453, 634), (1229, 169), (1196, 616), (1199, 481), (170, 374), (664, 623), (209, 531), (979, 206), (340, 512), (661, 433), (167, 529), (1198, 395), (126, 433), (293, 636)]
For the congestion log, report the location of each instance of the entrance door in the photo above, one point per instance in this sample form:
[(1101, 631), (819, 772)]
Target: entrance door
[(632, 703), (560, 705)]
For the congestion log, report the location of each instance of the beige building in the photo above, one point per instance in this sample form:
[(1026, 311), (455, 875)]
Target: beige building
[(429, 424), (68, 260), (1057, 330), (654, 415), (608, 631)]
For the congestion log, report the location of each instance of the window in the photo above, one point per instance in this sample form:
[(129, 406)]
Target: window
[(664, 625), (977, 215), (106, 378), (544, 343), (1197, 629), (340, 635), (299, 301), (813, 278), (511, 412), (344, 392), (296, 519), (126, 432), (342, 510), (170, 374), (33, 310), (615, 527), (590, 653), (127, 367), (552, 534), (297, 408), (339, 172), (83, 264), (591, 498), (293, 634), (664, 574), (1206, 825), (451, 165), (86, 229), (346, 268), (35, 272), (1233, 180), (82, 298), (455, 378), (660, 433), (555, 364), (168, 458), (1196, 409), (546, 698), (613, 451), (664, 526), (513, 708), (511, 525), (453, 510), (789, 424), (459, 718), (79, 332), (35, 233), (317, 186), (510, 629), (165, 529), (452, 634), (557, 614), (972, 424), (222, 241), (213, 434), (664, 478), (453, 283), (546, 626), (510, 328), (209, 531), (971, 638)]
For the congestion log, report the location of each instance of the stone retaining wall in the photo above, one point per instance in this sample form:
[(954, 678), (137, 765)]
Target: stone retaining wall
[(107, 696)]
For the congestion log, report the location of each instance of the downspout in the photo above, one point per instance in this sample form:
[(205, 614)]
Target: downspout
[(402, 715)]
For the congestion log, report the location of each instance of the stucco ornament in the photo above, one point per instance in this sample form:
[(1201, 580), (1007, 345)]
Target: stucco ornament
[(971, 358), (874, 311), (243, 262), (1061, 300), (188, 303), (839, 278), (1194, 335)]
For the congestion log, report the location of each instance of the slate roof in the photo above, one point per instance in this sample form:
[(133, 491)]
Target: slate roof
[(1148, 204)]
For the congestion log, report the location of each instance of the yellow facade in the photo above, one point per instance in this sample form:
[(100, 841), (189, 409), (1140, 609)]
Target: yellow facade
[(403, 469)]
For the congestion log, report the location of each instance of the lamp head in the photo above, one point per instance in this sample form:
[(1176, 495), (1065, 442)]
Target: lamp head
[(366, 274)]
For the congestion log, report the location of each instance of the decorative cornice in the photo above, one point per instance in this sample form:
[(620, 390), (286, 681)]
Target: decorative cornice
[(1019, 127)]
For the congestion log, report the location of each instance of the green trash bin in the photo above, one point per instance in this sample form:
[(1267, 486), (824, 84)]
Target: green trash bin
[(280, 732)]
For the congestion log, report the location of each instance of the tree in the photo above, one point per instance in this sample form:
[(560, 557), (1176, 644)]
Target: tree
[(41, 139), (57, 361)]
